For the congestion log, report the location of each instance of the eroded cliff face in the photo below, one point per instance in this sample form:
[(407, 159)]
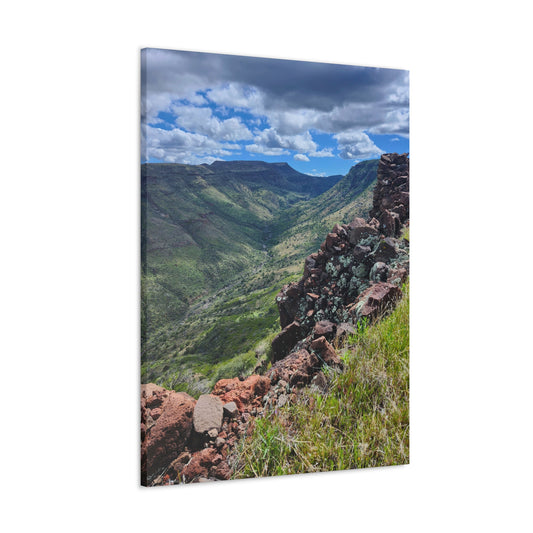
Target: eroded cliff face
[(356, 275)]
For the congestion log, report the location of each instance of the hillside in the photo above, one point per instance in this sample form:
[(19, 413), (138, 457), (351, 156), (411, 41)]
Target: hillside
[(222, 238), (201, 224)]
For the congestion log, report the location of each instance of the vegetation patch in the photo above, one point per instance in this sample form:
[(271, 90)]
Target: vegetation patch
[(363, 421)]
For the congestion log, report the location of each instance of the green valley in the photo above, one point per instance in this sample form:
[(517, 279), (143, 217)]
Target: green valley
[(218, 243)]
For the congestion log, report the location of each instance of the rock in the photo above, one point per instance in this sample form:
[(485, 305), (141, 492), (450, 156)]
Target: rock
[(169, 434), (390, 223), (230, 409), (221, 471), (178, 464), (360, 252), (212, 433), (326, 352), (286, 340), (246, 394), (385, 250), (207, 413), (297, 368), (379, 272), (200, 464), (324, 328), (287, 301), (282, 400), (359, 229), (220, 442), (319, 382), (398, 276), (343, 330), (375, 301)]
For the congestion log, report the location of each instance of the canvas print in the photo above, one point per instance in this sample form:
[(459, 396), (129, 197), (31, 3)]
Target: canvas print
[(274, 268)]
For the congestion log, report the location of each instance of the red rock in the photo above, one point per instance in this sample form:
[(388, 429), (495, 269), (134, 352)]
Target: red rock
[(359, 229), (376, 300), (221, 471), (324, 328), (297, 368), (246, 394), (288, 300), (178, 464), (200, 464), (169, 434), (285, 340), (326, 352)]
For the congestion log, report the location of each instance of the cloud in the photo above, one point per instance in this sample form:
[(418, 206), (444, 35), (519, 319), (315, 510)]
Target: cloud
[(236, 95), (289, 99), (178, 146), (326, 152), (356, 145), (300, 157), (201, 120), (270, 139)]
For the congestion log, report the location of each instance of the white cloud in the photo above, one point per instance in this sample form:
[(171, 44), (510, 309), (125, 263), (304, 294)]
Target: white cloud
[(300, 157), (178, 146), (291, 98), (237, 96), (326, 152), (356, 145), (260, 149), (201, 120), (270, 139)]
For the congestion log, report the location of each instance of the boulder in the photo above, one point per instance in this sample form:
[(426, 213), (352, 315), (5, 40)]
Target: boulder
[(287, 300), (231, 410), (324, 328), (200, 464), (343, 330), (246, 394), (168, 435), (319, 382), (326, 352), (285, 340), (359, 229), (207, 413), (297, 368), (379, 272), (385, 250), (375, 301)]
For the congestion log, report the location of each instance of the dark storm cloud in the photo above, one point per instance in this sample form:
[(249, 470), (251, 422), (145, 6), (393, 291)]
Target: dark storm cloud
[(285, 84)]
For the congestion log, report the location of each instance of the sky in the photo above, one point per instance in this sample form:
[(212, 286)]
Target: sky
[(320, 118)]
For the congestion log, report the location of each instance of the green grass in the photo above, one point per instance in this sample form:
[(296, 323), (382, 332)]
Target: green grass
[(362, 422)]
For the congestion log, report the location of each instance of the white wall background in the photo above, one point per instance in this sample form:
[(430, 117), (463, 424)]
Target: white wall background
[(69, 269)]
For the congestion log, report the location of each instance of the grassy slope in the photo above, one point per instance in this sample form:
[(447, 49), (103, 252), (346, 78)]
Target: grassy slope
[(222, 329), (362, 422)]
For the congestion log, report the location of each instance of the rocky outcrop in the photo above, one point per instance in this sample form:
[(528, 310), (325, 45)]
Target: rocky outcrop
[(391, 194), (356, 275)]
